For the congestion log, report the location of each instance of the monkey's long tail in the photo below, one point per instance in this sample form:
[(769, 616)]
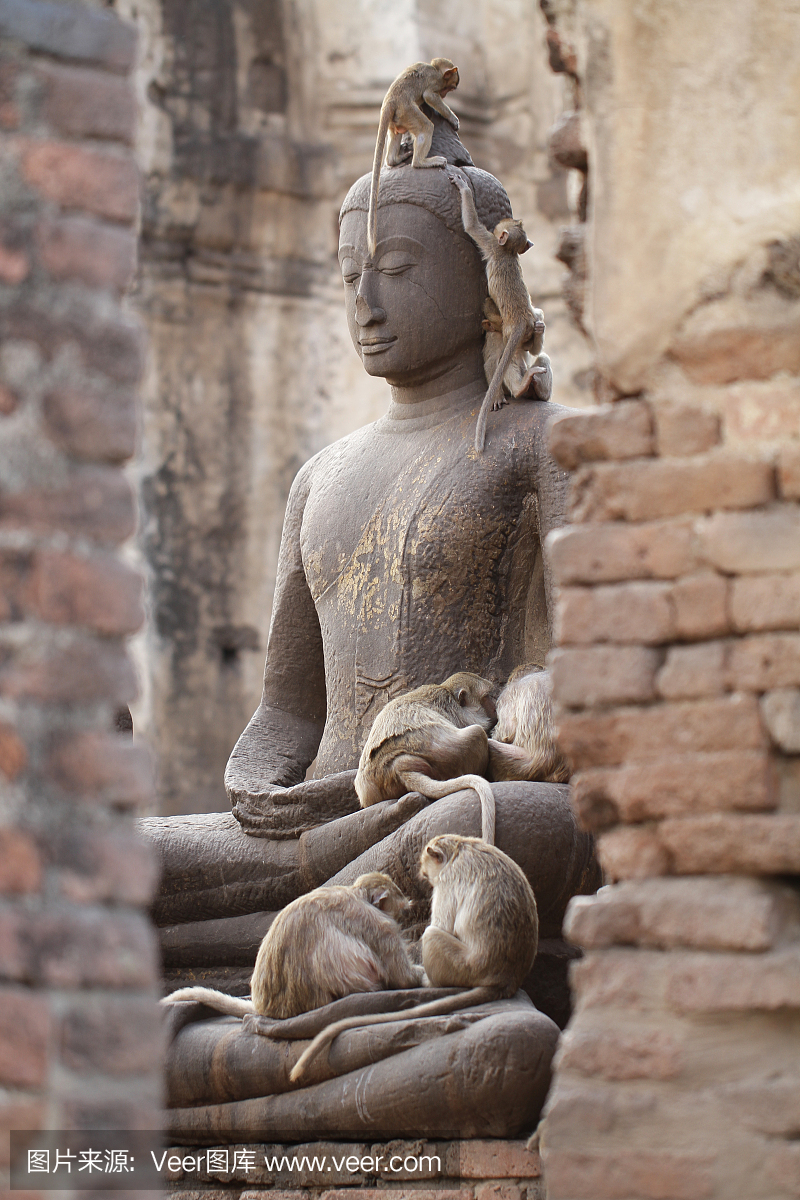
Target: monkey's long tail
[(436, 789), (496, 385), (233, 1006), (377, 162), (434, 1008)]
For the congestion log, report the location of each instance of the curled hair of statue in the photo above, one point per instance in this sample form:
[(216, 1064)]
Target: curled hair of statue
[(433, 189)]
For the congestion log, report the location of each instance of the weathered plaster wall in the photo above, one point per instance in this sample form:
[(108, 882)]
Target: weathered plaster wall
[(255, 119), (678, 666)]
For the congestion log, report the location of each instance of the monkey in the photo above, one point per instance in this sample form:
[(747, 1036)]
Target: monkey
[(432, 740), (501, 250), (525, 720), (401, 113), (481, 892), (522, 378), (320, 947)]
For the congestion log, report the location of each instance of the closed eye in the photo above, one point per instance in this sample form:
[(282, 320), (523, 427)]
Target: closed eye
[(394, 262)]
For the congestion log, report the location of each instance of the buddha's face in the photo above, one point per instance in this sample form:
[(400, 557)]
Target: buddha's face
[(415, 306)]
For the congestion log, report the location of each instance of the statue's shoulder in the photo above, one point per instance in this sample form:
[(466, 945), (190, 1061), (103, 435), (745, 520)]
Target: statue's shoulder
[(527, 423), (332, 458)]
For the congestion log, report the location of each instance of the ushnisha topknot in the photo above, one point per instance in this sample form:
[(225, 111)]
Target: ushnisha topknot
[(433, 189)]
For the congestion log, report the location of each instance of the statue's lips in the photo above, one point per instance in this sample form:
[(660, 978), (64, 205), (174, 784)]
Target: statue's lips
[(375, 345)]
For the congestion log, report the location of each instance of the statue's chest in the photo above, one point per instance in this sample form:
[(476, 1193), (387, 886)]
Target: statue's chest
[(395, 534)]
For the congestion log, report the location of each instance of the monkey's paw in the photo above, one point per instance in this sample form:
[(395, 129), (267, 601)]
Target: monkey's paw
[(458, 178), (453, 119), (538, 381), (499, 403)]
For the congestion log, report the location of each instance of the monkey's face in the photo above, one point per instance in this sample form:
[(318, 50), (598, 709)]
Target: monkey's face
[(413, 309), (436, 855), (512, 236)]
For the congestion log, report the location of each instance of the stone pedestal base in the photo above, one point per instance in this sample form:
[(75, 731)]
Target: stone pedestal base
[(426, 1170)]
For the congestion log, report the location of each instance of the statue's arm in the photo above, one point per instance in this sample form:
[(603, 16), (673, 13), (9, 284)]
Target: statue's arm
[(265, 777), (551, 492)]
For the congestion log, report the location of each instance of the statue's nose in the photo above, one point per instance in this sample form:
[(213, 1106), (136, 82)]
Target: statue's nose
[(366, 313)]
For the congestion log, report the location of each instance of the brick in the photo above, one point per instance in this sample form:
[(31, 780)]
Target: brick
[(70, 31), (14, 265), (436, 1193), (100, 592), (768, 1105), (13, 755), (762, 413), (95, 866), (111, 1035), (645, 491), (735, 982), (9, 402), (615, 553), (92, 426), (84, 103), (761, 602), (789, 472), (630, 735), (740, 351), (115, 347), (19, 1114), (601, 675), (782, 1167), (749, 543), (700, 605), (682, 430), (733, 844), (80, 249), (781, 713), (675, 785), (628, 612), (619, 431), (632, 852), (95, 181), (24, 1038), (80, 947), (96, 502), (622, 979), (623, 1174), (102, 767), (762, 662), (20, 862), (693, 671), (480, 1159), (703, 913), (85, 670), (614, 1053)]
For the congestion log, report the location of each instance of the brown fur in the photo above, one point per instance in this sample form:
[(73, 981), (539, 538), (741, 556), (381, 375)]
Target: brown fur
[(483, 892), (433, 741), (523, 743), (521, 374), (401, 113), (322, 946), (501, 250)]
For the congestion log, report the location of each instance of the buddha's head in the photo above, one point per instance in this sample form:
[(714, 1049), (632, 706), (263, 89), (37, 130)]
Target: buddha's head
[(415, 306)]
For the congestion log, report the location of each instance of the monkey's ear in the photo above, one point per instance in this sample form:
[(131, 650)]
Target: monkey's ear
[(503, 237), (462, 696), (379, 897), (435, 852), (448, 75)]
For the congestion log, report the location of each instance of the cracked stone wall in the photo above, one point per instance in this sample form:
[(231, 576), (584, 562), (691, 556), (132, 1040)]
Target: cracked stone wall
[(255, 117), (677, 672)]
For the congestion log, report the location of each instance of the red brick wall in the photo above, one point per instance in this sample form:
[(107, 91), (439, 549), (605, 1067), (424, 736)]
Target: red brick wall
[(79, 1037)]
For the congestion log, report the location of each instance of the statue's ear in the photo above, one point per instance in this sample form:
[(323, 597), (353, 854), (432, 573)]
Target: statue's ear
[(503, 237)]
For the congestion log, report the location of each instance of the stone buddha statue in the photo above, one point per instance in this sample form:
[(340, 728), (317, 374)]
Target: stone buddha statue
[(403, 560)]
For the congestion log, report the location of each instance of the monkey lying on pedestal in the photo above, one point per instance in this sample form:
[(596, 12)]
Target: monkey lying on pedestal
[(523, 743), (401, 113), (433, 741), (322, 946), (482, 893)]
